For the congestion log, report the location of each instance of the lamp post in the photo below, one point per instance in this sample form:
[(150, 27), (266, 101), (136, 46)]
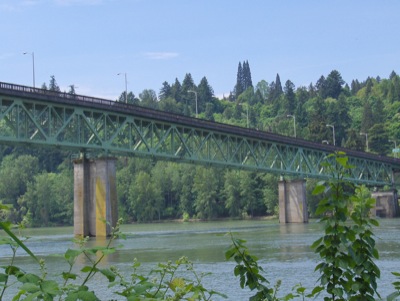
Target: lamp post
[(333, 130), (366, 139), (195, 93), (395, 146), (126, 88), (294, 123), (33, 66)]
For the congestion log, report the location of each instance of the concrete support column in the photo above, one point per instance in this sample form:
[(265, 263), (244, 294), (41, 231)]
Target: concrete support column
[(292, 202), (95, 197), (387, 204)]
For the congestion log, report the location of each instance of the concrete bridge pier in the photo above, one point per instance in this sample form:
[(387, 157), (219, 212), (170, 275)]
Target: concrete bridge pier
[(387, 204), (95, 197), (292, 202)]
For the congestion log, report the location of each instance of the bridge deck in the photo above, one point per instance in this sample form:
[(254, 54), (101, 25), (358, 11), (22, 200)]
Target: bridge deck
[(93, 125)]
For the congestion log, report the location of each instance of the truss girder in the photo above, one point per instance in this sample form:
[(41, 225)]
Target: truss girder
[(96, 130)]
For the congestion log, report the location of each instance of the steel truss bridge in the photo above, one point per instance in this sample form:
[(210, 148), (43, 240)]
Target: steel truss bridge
[(94, 126)]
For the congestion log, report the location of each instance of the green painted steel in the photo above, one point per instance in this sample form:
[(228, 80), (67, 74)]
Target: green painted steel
[(102, 127)]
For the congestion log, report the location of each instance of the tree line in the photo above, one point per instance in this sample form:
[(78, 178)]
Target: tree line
[(38, 184)]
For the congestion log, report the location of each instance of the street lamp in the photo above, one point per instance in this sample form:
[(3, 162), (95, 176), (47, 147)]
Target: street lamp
[(395, 146), (126, 88), (366, 138), (294, 123), (33, 66), (333, 129), (195, 93), (325, 142)]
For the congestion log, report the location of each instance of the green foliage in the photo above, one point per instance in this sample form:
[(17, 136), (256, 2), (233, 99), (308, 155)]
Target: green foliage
[(250, 274), (396, 285), (248, 270), (347, 250)]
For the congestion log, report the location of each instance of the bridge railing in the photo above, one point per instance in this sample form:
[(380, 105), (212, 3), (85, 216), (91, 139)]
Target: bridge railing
[(55, 94)]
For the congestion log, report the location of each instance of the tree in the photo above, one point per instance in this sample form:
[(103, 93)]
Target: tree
[(354, 140), (186, 197), (131, 98), (333, 84), (53, 86), (148, 98), (188, 85), (248, 191), (302, 96), (145, 198), (208, 114), (270, 193), (176, 91), (239, 87), (290, 98), (71, 90), (205, 94), (169, 104), (165, 91), (378, 139), (247, 81), (49, 199), (367, 117), (165, 176), (205, 188), (321, 87), (338, 114), (275, 89), (355, 86), (317, 121), (15, 174), (263, 88), (231, 192), (378, 107)]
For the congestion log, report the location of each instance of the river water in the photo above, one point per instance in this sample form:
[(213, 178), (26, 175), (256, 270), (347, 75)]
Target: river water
[(283, 251)]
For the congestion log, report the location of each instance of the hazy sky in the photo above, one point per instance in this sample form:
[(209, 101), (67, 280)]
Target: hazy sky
[(87, 42)]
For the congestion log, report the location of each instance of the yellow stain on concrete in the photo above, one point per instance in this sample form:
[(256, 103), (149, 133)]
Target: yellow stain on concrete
[(101, 229)]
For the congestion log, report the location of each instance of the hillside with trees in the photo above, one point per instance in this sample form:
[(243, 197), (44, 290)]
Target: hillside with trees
[(38, 184)]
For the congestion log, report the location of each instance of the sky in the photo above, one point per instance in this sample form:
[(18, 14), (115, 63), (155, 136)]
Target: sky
[(87, 43)]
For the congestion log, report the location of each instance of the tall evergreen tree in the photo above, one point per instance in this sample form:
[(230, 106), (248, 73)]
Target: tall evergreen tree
[(367, 120), (205, 94), (392, 75), (247, 81), (333, 84), (176, 91), (239, 88), (188, 83), (355, 86), (317, 121), (290, 98), (275, 89), (165, 91), (53, 86), (321, 87)]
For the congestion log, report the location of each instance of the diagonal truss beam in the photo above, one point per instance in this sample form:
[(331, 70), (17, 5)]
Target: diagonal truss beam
[(35, 116)]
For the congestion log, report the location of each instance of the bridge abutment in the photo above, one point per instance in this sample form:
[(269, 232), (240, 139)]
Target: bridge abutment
[(387, 204), (292, 202), (95, 197)]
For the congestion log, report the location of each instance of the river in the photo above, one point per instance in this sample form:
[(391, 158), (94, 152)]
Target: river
[(283, 251)]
